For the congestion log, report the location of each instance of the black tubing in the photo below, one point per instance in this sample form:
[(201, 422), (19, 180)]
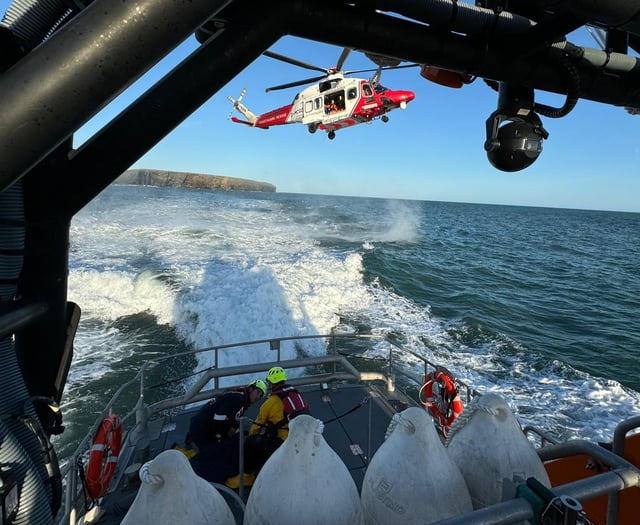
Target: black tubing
[(21, 451)]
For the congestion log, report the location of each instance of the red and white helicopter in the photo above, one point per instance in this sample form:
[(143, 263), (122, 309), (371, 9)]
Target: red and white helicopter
[(335, 102)]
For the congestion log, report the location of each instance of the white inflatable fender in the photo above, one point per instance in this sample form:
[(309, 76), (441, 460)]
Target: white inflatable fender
[(493, 453), (411, 478), (304, 481), (172, 493)]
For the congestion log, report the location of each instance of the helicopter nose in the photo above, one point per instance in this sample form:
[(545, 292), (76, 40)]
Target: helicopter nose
[(408, 96), (401, 98)]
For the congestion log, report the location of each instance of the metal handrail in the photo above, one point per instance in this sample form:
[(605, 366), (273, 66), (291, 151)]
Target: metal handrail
[(545, 439), (622, 475), (617, 446)]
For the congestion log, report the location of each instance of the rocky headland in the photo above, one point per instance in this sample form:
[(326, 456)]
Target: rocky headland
[(179, 179)]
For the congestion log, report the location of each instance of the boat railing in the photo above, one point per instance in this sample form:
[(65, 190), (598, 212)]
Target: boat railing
[(333, 359), (339, 366), (335, 367), (539, 436), (617, 447)]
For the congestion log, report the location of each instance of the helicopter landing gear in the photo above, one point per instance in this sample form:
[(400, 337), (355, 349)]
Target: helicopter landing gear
[(332, 135), (384, 118), (313, 128)]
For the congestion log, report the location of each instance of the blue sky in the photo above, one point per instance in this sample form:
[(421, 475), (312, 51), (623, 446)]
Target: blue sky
[(433, 150)]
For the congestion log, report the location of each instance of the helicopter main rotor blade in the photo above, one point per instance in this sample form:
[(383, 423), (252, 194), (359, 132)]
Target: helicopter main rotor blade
[(294, 84), (294, 62), (342, 58), (359, 71), (376, 69), (400, 67)]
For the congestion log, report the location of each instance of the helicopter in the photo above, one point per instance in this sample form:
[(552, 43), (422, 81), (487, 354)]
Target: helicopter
[(334, 101)]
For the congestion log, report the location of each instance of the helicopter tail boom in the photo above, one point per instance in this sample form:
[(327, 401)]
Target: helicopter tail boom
[(240, 121)]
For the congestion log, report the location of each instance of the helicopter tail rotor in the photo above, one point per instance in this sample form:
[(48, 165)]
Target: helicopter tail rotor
[(237, 101), (241, 108)]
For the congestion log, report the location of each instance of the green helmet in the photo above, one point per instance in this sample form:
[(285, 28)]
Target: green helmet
[(259, 384), (276, 375)]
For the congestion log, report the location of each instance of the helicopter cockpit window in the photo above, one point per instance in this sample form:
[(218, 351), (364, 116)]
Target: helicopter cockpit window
[(352, 93), (366, 89), (334, 102), (380, 89)]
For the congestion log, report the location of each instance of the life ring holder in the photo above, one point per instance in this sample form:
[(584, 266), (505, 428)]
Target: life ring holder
[(444, 415), (103, 457)]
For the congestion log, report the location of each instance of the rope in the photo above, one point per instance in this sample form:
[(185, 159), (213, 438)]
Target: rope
[(147, 477), (353, 409), (391, 427), (461, 421), (399, 419), (88, 503), (355, 451), (182, 378)]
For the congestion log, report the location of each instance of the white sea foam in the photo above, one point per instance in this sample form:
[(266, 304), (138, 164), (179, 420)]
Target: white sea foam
[(222, 269), (109, 295)]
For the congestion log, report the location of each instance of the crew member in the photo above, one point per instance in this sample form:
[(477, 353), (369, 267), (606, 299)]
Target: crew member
[(217, 420), (270, 427), (212, 429)]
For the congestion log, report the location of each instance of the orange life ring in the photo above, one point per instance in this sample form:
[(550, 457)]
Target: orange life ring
[(103, 457), (445, 404)]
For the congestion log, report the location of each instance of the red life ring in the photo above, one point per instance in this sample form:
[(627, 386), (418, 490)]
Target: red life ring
[(103, 457), (445, 404)]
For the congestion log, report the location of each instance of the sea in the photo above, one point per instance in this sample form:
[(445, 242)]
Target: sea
[(538, 305)]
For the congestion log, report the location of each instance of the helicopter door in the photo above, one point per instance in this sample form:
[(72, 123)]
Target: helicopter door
[(334, 102)]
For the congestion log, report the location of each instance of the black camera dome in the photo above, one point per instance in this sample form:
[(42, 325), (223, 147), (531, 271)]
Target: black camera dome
[(516, 146)]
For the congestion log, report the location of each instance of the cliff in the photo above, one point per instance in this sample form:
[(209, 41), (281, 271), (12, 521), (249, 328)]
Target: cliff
[(178, 179)]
